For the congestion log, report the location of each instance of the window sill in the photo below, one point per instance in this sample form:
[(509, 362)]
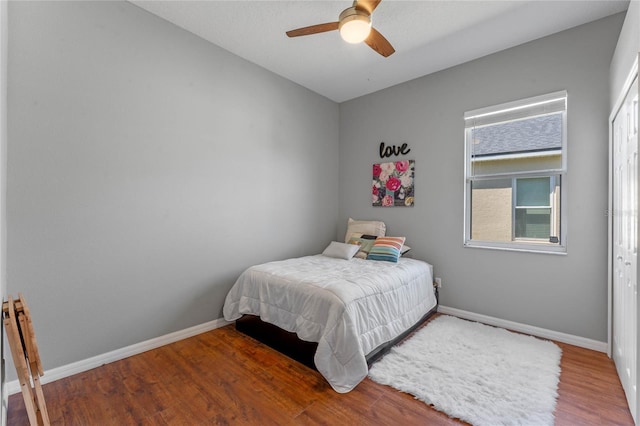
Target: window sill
[(526, 248)]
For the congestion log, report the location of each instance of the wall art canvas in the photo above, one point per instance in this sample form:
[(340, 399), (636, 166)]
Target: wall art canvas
[(393, 184)]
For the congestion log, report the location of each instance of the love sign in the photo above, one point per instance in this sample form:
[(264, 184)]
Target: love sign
[(389, 150)]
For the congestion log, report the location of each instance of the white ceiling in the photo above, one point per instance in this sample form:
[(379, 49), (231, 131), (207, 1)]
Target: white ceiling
[(428, 35)]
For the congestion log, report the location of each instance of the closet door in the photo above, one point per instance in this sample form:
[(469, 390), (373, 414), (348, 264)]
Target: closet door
[(625, 222)]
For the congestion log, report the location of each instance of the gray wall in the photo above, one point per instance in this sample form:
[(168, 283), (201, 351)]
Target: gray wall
[(3, 190), (147, 169), (564, 293), (626, 51)]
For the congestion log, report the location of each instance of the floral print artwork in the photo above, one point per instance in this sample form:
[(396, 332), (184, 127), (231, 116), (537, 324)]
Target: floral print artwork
[(393, 184)]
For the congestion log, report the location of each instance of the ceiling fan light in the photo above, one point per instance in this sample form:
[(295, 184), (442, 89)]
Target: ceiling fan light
[(355, 25)]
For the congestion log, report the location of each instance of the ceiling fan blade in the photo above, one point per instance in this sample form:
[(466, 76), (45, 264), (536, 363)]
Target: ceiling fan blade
[(313, 29), (377, 42), (368, 5)]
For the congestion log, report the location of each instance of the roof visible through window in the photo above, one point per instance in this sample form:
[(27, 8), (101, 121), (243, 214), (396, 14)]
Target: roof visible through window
[(534, 134)]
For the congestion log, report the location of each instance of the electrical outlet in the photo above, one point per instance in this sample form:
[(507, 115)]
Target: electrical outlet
[(438, 282)]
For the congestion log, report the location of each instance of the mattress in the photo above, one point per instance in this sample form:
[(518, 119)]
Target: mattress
[(349, 307)]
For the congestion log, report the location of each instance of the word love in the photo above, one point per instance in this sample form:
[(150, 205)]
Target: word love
[(388, 151)]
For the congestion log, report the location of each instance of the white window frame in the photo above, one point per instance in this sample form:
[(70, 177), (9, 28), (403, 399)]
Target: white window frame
[(508, 112)]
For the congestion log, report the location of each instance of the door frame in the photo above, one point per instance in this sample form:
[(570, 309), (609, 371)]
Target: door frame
[(614, 112)]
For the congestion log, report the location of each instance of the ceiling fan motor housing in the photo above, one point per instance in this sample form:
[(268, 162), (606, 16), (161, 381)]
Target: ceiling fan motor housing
[(354, 24)]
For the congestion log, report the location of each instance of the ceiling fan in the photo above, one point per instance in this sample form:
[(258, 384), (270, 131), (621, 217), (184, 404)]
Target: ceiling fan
[(354, 24)]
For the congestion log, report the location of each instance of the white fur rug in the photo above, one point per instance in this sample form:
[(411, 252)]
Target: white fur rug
[(480, 374)]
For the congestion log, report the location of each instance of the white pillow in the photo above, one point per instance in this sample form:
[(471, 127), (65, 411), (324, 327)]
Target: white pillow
[(364, 227), (340, 250)]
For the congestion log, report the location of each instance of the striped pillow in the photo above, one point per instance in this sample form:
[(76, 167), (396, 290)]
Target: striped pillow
[(387, 249)]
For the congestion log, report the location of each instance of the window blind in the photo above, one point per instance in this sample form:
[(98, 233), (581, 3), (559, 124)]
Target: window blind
[(525, 137), (539, 105)]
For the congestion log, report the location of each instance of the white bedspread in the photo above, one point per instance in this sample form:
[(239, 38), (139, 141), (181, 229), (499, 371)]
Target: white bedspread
[(349, 307)]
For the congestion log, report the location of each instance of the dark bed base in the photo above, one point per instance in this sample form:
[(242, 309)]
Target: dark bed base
[(289, 344)]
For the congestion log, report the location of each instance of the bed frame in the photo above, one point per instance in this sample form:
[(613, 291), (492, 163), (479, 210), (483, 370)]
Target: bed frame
[(290, 345)]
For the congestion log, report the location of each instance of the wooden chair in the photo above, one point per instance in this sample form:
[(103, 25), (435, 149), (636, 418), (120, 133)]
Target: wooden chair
[(24, 350)]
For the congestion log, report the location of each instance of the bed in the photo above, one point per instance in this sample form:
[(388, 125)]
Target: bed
[(345, 310)]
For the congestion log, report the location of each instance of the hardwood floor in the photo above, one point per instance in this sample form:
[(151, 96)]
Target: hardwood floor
[(226, 378)]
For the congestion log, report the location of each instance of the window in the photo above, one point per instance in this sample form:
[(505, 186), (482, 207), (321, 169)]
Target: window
[(515, 160), (535, 208)]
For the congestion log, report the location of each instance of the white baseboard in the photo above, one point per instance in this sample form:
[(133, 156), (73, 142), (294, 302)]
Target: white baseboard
[(528, 329), (96, 361)]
